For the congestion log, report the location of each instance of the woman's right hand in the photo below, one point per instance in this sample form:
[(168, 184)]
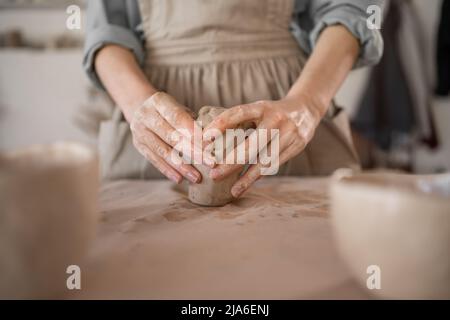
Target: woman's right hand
[(155, 124), (161, 125)]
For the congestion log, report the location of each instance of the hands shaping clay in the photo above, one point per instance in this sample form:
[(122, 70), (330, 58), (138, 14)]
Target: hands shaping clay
[(209, 192)]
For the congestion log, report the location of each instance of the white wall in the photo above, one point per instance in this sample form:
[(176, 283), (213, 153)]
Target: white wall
[(40, 90), (37, 24)]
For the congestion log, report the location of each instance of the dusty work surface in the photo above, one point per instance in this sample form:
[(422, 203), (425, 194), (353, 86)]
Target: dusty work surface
[(275, 243)]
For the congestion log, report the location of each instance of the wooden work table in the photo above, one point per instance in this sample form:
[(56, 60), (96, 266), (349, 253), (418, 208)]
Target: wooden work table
[(274, 243)]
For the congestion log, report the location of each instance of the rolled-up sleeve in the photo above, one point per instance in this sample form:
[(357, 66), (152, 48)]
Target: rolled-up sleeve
[(318, 14), (108, 22)]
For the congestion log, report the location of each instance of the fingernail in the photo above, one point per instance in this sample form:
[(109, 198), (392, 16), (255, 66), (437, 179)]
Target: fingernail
[(236, 191), (193, 177)]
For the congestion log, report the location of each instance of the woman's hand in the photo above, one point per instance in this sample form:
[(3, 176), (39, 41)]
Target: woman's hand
[(156, 122), (295, 120), (297, 115), (161, 125)]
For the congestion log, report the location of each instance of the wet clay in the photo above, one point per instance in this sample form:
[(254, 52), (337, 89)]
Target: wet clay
[(209, 192)]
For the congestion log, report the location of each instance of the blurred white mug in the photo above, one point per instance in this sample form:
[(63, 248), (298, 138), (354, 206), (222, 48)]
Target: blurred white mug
[(48, 216)]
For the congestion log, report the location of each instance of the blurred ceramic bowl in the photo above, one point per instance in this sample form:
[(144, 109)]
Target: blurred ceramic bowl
[(48, 216), (397, 227)]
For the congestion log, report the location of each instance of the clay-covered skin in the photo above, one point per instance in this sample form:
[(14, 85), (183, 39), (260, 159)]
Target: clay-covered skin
[(157, 128), (209, 192)]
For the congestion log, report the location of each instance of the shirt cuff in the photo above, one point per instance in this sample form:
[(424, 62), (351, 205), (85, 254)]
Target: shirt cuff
[(371, 41), (112, 34)]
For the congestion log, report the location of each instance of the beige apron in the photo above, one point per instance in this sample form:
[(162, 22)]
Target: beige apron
[(223, 53)]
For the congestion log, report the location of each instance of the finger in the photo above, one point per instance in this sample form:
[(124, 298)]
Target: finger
[(159, 163), (172, 157), (156, 123), (173, 112), (173, 137), (181, 120), (164, 151), (250, 176), (231, 118), (246, 150), (289, 146), (256, 143)]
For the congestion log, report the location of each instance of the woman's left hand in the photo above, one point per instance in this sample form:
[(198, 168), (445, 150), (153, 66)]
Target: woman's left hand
[(295, 118)]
